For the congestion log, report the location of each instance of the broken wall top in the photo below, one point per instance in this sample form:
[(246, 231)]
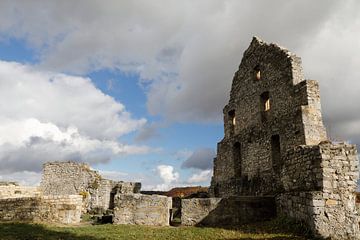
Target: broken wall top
[(269, 92)]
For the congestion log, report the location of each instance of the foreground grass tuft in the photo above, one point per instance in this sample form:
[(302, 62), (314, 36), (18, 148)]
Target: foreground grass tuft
[(275, 229)]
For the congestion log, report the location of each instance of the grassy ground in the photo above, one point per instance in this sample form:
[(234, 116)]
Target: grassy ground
[(275, 229)]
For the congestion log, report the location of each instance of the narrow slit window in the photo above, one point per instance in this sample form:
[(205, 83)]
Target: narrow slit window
[(232, 117), (267, 105), (265, 101), (237, 159), (257, 72), (276, 153)]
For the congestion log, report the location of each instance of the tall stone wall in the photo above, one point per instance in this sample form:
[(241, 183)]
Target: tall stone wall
[(275, 144), (244, 164), (58, 209), (142, 209)]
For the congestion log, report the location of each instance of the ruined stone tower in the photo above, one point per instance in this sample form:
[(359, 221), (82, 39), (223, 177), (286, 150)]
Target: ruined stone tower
[(271, 110), (275, 144)]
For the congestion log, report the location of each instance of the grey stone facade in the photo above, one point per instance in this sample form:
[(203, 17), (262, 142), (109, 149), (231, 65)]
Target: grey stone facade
[(275, 144)]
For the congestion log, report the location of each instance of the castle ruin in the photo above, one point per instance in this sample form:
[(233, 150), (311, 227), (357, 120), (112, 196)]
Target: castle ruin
[(68, 190), (275, 147), (275, 160)]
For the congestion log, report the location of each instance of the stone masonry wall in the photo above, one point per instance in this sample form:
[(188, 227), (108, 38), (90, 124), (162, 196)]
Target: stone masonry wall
[(227, 211), (275, 144), (331, 211), (194, 210), (59, 209), (63, 178), (142, 209), (13, 190), (244, 164), (103, 195)]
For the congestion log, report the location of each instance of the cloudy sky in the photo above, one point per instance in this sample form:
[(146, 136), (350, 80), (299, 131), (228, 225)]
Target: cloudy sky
[(136, 88)]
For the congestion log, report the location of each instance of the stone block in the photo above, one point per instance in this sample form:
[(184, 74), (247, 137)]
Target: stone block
[(142, 209)]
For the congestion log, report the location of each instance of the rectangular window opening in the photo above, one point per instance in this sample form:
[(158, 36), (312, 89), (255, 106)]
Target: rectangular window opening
[(276, 153), (237, 159), (265, 101)]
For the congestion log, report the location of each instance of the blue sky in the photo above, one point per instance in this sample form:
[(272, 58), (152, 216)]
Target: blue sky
[(137, 88)]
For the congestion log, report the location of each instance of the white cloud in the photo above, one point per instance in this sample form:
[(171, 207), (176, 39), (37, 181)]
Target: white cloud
[(200, 177), (63, 100), (168, 176), (48, 116), (24, 178), (167, 173)]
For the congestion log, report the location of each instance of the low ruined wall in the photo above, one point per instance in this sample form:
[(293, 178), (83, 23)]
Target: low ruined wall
[(329, 208), (63, 178), (103, 195), (20, 209), (15, 191), (194, 210), (66, 178), (142, 209), (62, 209), (226, 211), (59, 209)]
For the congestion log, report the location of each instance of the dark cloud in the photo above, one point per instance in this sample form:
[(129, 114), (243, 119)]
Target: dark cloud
[(201, 159), (146, 133), (33, 153)]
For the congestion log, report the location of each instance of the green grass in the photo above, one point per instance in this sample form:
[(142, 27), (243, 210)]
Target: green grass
[(275, 229)]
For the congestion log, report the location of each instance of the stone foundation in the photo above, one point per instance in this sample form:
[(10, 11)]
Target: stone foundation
[(142, 209), (59, 209)]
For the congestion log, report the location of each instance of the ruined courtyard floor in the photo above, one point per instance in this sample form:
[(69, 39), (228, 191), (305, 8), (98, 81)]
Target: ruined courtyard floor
[(276, 229)]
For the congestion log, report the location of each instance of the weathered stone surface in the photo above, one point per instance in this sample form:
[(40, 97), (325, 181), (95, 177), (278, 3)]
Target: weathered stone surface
[(294, 117), (227, 211), (194, 210), (142, 209), (13, 190), (59, 209), (66, 178), (275, 144)]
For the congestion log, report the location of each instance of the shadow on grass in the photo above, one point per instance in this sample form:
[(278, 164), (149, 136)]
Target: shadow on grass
[(27, 231), (278, 226)]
